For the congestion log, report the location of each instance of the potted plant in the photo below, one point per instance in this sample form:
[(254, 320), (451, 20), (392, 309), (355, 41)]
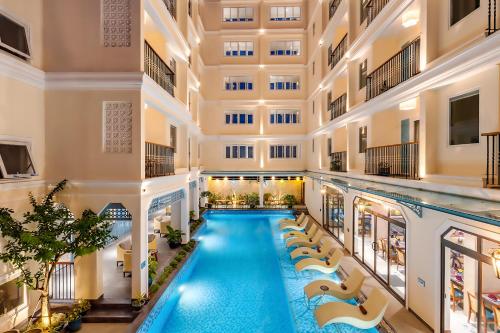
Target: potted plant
[(289, 200), (174, 237), (152, 266), (384, 169), (84, 306), (139, 302), (208, 196), (74, 319), (253, 200)]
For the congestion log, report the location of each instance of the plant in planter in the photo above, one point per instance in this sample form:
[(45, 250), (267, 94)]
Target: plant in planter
[(208, 195), (253, 200), (289, 200), (174, 237), (83, 305), (384, 169), (139, 302), (74, 319), (152, 267), (337, 165)]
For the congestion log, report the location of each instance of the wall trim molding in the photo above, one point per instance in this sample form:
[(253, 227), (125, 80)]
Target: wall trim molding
[(14, 68)]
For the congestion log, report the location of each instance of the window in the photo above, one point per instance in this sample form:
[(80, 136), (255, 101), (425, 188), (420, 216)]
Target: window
[(16, 160), (238, 49), (237, 14), (284, 82), (363, 134), (239, 151), (190, 8), (362, 74), (285, 13), (14, 37), (314, 65), (238, 83), (461, 8), (313, 106), (329, 146), (329, 101), (464, 119), (284, 117), (239, 118), (12, 296), (363, 10), (313, 145), (173, 137), (314, 28), (285, 47), (283, 151), (330, 53)]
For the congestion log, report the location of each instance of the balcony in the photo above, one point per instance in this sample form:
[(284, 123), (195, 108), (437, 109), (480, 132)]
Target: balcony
[(338, 107), (373, 8), (158, 70), (492, 17), (337, 54), (492, 179), (159, 160), (171, 7), (332, 8), (399, 160), (401, 67), (338, 161)]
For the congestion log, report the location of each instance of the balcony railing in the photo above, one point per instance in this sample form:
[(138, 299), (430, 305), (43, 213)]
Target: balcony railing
[(400, 160), (373, 8), (159, 160), (339, 52), (401, 67), (338, 161), (334, 5), (492, 17), (338, 107), (158, 70), (492, 178), (171, 7), (62, 282)]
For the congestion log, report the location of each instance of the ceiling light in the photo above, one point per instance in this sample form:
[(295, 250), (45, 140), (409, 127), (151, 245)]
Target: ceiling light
[(409, 19), (408, 105)]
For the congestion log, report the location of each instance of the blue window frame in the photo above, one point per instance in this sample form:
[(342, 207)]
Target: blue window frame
[(235, 151), (250, 118), (273, 152), (228, 151), (272, 119), (235, 118), (250, 152), (228, 119), (243, 118), (283, 151)]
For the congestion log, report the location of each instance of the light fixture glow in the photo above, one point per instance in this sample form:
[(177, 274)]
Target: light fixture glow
[(495, 256), (241, 178), (273, 178), (408, 105), (321, 42), (262, 31), (198, 40), (261, 101), (323, 191), (409, 19), (261, 66), (225, 178), (182, 288)]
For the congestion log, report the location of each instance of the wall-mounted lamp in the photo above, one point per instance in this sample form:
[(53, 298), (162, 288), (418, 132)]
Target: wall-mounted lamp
[(495, 256), (409, 19), (323, 191)]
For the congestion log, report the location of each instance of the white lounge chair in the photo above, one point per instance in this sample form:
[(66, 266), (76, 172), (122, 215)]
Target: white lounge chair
[(347, 289), (328, 266), (366, 316), (290, 222), (308, 232), (304, 241), (325, 246), (306, 222)]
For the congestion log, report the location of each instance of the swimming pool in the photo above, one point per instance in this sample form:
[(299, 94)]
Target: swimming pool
[(239, 279)]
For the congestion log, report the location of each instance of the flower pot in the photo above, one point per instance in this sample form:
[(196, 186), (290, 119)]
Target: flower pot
[(74, 325), (209, 206), (174, 245), (253, 206)]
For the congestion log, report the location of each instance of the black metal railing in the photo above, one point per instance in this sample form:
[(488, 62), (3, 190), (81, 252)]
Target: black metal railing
[(373, 8), (158, 70), (171, 7), (399, 160), (492, 178), (332, 7), (159, 160), (339, 52), (338, 107), (62, 282), (492, 17), (402, 66), (338, 161)]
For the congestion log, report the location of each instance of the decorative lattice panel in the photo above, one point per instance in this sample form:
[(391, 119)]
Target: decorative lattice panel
[(116, 23), (117, 127), (165, 200)]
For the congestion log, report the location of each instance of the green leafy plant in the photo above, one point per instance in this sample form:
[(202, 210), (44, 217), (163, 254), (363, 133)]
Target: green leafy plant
[(173, 264), (139, 301), (191, 215), (43, 236), (154, 288), (289, 200), (174, 237), (152, 267), (253, 199)]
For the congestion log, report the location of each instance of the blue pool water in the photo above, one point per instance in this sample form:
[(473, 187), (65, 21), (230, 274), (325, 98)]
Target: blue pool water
[(239, 279)]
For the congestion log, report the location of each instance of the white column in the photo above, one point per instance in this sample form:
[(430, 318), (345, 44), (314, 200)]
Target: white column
[(261, 191), (89, 276), (184, 218), (139, 249), (196, 200)]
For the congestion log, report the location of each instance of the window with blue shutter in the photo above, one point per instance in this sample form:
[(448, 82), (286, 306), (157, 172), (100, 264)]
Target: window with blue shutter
[(250, 118), (250, 152), (228, 119), (243, 117), (228, 152), (272, 118)]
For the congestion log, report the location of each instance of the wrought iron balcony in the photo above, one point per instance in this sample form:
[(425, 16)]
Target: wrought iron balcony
[(492, 17), (399, 160), (171, 7), (159, 160), (339, 52), (338, 161), (492, 179), (402, 66), (332, 7), (373, 8), (338, 107), (158, 70)]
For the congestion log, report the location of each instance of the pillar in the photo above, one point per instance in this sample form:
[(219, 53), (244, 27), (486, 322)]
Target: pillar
[(261, 191), (196, 200), (140, 248), (184, 216), (89, 268)]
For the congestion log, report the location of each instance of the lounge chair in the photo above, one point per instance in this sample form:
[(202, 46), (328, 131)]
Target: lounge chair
[(308, 232), (163, 228), (286, 222), (349, 288), (121, 248), (304, 241), (325, 246), (306, 221), (366, 316), (328, 266), (127, 263)]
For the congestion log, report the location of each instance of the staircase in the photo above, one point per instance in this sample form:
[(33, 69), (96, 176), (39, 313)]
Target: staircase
[(110, 311)]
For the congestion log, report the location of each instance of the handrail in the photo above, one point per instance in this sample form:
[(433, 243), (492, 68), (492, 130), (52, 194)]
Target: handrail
[(158, 70), (492, 19), (393, 145), (338, 161), (492, 178), (374, 7), (332, 8), (339, 52), (338, 107), (62, 282), (396, 160), (171, 7), (158, 160)]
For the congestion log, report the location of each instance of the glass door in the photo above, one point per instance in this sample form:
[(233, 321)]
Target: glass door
[(334, 214)]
